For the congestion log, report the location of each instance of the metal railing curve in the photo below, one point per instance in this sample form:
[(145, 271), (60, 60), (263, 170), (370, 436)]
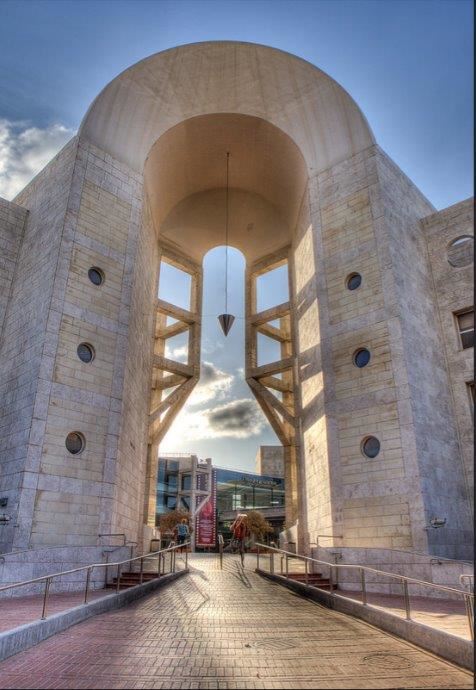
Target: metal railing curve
[(48, 579), (468, 597)]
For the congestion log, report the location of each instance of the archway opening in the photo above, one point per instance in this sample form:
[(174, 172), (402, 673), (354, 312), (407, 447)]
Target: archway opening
[(186, 198)]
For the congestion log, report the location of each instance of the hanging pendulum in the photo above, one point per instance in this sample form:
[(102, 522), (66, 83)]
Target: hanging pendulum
[(226, 320)]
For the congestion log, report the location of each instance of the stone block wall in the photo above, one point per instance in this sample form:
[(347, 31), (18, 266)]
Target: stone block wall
[(365, 217), (85, 210), (453, 290), (12, 226), (25, 345), (270, 461)]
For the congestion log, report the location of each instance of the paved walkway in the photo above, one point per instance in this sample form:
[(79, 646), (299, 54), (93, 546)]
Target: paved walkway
[(17, 611), (226, 629), (448, 615)]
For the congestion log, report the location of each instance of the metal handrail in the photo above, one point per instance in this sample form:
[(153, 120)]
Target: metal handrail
[(468, 577), (47, 579), (115, 534), (403, 579)]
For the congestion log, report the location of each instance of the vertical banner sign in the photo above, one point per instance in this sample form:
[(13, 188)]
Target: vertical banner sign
[(205, 522)]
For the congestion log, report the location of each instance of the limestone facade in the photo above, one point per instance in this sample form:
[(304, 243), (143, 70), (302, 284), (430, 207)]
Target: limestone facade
[(270, 461), (343, 207)]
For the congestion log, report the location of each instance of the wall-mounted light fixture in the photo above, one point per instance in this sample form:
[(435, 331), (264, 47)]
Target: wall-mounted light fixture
[(436, 522)]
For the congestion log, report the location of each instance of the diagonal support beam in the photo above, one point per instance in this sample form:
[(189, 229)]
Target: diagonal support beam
[(278, 334), (271, 368), (172, 366), (277, 384), (168, 382), (164, 424), (170, 400), (175, 312), (172, 330), (270, 314), (271, 400)]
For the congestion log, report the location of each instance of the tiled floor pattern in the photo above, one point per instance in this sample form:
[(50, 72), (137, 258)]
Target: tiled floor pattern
[(226, 629)]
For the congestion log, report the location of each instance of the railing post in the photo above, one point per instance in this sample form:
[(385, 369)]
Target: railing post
[(158, 565), (271, 563), (331, 580), (364, 589), (86, 588), (306, 566), (469, 613), (141, 570), (45, 597), (106, 573), (406, 598), (118, 578), (257, 558), (287, 566), (186, 557)]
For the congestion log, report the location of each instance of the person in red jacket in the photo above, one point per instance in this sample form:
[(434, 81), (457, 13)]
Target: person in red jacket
[(240, 531)]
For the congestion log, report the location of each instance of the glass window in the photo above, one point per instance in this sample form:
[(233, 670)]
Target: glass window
[(75, 442), (85, 352), (466, 328), (460, 251), (186, 482), (361, 358), (470, 386), (353, 281), (371, 447), (96, 275)]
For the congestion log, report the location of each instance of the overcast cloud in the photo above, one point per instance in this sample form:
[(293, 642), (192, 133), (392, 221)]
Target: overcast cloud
[(24, 151)]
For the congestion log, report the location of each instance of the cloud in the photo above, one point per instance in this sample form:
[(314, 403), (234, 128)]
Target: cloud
[(236, 419), (179, 354), (25, 150), (214, 384)]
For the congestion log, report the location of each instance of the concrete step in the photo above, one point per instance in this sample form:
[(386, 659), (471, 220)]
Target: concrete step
[(132, 579), (315, 579)]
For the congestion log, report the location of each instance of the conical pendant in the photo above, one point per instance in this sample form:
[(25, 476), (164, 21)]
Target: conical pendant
[(226, 322)]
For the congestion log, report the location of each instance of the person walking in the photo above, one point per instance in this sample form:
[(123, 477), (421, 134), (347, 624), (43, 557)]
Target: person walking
[(183, 531), (240, 531)]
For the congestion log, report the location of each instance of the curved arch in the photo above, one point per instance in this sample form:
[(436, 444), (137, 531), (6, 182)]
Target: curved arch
[(155, 94), (185, 174)]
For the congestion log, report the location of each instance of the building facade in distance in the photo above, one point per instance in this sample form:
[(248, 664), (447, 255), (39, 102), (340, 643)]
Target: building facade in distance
[(231, 492)]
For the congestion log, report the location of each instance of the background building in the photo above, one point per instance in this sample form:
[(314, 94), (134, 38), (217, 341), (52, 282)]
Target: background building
[(230, 491)]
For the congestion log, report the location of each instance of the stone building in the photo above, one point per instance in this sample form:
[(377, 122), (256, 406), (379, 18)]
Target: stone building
[(371, 396), (270, 460)]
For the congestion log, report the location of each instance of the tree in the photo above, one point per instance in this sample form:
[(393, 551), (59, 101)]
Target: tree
[(257, 524), (168, 521)]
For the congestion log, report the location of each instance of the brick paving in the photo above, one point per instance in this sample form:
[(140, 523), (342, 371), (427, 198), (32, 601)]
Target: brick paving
[(226, 629), (448, 615), (20, 610)]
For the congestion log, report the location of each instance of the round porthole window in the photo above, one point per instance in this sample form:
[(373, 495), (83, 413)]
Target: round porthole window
[(460, 251), (96, 275), (85, 352), (354, 281), (371, 446), (361, 358), (75, 442)]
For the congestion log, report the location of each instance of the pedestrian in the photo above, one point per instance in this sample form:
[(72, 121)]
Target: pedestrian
[(183, 532), (240, 531)]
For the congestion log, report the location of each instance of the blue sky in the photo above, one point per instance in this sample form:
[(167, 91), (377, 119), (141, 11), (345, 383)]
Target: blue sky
[(408, 65)]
